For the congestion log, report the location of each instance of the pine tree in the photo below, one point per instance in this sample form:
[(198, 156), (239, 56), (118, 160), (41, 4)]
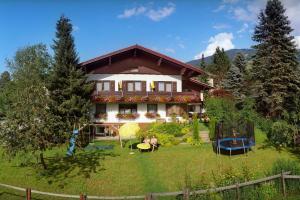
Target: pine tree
[(202, 62), (220, 66), (240, 62), (275, 62), (68, 86), (234, 83)]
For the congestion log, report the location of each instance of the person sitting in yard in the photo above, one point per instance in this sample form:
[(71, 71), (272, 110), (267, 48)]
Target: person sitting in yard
[(153, 142), (147, 140)]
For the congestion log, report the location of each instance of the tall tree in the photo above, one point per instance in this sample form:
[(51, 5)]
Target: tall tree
[(28, 118), (220, 66), (4, 79), (275, 62), (202, 62), (68, 87), (240, 62), (234, 82)]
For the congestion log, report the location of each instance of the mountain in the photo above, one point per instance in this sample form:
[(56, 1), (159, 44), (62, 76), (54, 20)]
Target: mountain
[(231, 54)]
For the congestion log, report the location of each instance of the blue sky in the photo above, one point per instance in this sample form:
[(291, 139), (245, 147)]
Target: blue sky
[(181, 29)]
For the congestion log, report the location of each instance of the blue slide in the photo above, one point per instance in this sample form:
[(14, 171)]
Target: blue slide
[(71, 149)]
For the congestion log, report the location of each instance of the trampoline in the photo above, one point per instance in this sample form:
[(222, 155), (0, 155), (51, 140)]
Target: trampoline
[(234, 137)]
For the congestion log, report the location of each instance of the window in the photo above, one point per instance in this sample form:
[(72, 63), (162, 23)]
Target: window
[(127, 108), (100, 108), (152, 108), (165, 86), (134, 86), (103, 86), (168, 87), (130, 87), (137, 86), (161, 86)]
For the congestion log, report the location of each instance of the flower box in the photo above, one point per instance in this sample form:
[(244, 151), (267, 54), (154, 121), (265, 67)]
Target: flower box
[(101, 116), (127, 116), (152, 115)]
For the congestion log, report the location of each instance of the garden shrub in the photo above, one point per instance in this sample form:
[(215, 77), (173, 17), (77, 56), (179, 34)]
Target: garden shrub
[(195, 128), (167, 128), (282, 134), (193, 141), (212, 127), (219, 108)]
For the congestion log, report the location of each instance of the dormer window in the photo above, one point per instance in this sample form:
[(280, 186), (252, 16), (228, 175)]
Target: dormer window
[(165, 86), (134, 86), (103, 86)]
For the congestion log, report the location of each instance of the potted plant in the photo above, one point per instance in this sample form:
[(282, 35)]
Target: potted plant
[(127, 115), (152, 115)]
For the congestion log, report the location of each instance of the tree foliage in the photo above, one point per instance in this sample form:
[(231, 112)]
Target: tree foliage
[(275, 69), (68, 85), (219, 66), (28, 126)]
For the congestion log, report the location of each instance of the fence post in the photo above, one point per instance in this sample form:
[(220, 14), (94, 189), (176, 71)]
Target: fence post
[(83, 197), (28, 194), (237, 191), (149, 197), (283, 184), (186, 194)]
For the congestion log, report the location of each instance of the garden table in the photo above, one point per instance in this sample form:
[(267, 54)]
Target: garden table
[(143, 146)]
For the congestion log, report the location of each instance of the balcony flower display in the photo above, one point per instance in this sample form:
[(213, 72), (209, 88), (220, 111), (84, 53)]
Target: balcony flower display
[(101, 116), (127, 116), (151, 115)]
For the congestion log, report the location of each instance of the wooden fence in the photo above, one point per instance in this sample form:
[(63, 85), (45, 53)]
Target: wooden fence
[(186, 193)]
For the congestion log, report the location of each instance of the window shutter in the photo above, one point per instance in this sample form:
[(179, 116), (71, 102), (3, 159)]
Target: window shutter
[(174, 86), (144, 86), (156, 86), (112, 86), (124, 85)]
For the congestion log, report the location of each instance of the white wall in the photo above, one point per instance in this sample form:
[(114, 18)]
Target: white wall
[(137, 77), (113, 109)]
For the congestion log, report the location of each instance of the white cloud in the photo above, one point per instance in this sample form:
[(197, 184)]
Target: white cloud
[(159, 14), (249, 11), (127, 13), (244, 28), (297, 41), (220, 8), (170, 50), (222, 40), (221, 26), (153, 14)]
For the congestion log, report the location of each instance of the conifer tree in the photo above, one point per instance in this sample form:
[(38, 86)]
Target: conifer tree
[(68, 87), (235, 78), (4, 79), (220, 66), (202, 62), (275, 62)]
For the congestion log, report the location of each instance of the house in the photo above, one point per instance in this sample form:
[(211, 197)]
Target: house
[(136, 84)]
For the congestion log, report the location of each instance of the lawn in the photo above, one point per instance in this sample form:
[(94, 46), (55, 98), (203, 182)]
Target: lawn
[(116, 172)]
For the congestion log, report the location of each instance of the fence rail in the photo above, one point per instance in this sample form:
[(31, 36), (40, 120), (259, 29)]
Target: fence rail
[(186, 192)]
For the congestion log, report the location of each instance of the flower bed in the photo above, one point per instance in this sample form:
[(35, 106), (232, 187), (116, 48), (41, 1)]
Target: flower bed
[(127, 116)]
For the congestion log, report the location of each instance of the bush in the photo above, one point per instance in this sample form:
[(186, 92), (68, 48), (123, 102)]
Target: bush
[(195, 128), (219, 108), (282, 134), (212, 127), (167, 128)]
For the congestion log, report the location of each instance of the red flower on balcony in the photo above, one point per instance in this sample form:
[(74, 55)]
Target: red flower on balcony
[(127, 116), (152, 115), (101, 116)]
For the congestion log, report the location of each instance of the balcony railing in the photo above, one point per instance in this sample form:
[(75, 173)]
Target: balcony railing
[(139, 97)]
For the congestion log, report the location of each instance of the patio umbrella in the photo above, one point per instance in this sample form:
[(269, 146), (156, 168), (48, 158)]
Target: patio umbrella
[(128, 131)]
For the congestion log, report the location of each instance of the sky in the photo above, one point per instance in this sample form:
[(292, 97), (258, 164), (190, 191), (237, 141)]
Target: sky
[(182, 29)]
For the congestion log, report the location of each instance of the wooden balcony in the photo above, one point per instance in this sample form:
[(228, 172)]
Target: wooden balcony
[(149, 97)]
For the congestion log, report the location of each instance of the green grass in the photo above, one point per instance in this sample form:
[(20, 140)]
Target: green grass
[(116, 172), (203, 127)]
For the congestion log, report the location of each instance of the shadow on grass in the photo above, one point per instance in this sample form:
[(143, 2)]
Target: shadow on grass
[(295, 151), (62, 170)]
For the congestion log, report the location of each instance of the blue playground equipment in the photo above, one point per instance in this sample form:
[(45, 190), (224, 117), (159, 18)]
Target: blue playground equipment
[(71, 149), (234, 137)]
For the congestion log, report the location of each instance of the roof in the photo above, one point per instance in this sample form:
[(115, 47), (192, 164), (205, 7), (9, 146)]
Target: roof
[(200, 83), (159, 55)]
